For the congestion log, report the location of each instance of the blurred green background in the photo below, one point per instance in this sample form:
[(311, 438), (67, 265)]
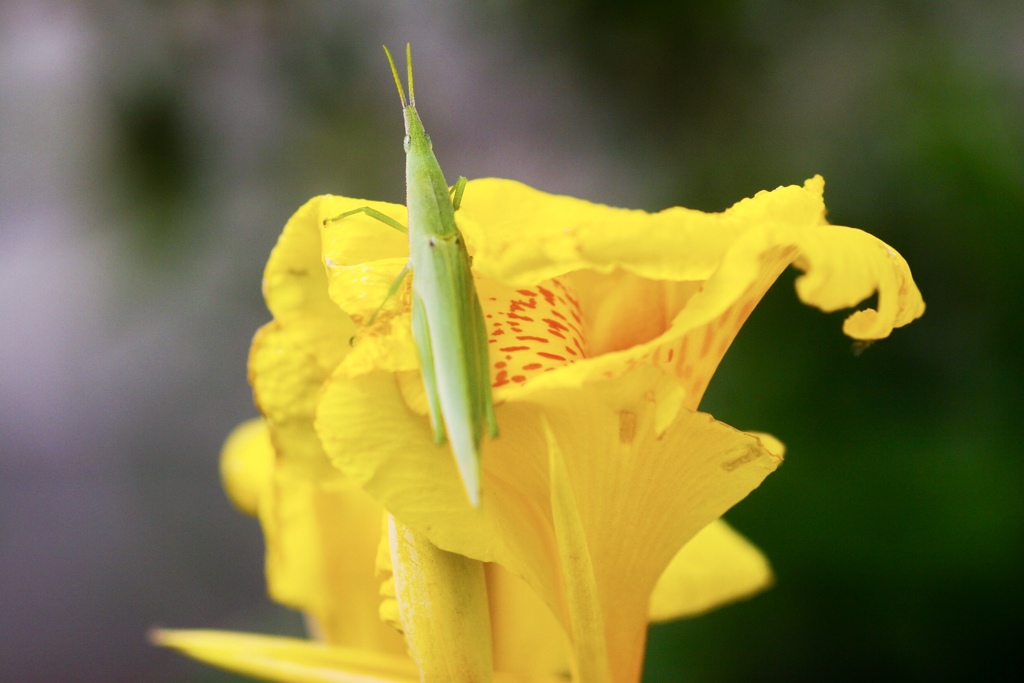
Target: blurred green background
[(151, 151)]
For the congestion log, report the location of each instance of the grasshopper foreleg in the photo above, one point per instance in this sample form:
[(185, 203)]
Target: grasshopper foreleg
[(372, 213), (457, 189)]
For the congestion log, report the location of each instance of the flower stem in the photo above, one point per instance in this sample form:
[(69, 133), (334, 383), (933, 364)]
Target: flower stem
[(442, 601)]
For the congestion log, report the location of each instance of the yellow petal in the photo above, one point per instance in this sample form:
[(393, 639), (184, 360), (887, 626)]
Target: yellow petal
[(363, 257), (641, 494), (295, 288), (285, 378), (360, 289), (320, 559), (289, 660), (672, 289), (389, 612), (716, 567), (246, 464), (528, 639), (371, 437), (582, 596), (522, 236), (321, 530), (359, 238)]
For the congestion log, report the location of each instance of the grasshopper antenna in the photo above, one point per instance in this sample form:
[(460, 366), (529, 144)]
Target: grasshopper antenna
[(408, 63), (394, 72)]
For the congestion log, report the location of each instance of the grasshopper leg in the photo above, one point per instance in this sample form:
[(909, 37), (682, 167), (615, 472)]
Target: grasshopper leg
[(390, 222), (372, 213), (421, 334), (457, 189), (391, 292), (483, 366)]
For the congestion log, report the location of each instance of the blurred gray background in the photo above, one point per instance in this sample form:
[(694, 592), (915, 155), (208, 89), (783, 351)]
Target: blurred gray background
[(150, 153)]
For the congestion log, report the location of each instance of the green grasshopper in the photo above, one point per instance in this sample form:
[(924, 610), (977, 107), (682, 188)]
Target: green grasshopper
[(447, 321)]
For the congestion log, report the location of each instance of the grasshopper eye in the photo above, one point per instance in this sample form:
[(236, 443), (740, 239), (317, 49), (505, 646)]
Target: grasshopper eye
[(406, 142), (429, 143)]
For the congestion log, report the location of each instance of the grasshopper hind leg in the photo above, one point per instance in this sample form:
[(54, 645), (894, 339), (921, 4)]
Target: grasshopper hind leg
[(421, 334), (483, 369)]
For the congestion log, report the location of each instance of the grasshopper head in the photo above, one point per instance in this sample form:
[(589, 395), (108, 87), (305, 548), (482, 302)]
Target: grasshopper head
[(414, 132)]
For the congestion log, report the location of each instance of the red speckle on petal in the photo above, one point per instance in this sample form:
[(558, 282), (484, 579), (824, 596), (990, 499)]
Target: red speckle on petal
[(519, 304), (709, 336), (536, 318), (548, 295)]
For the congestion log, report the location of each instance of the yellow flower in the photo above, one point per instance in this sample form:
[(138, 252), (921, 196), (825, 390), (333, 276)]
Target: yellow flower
[(322, 541), (604, 492)]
